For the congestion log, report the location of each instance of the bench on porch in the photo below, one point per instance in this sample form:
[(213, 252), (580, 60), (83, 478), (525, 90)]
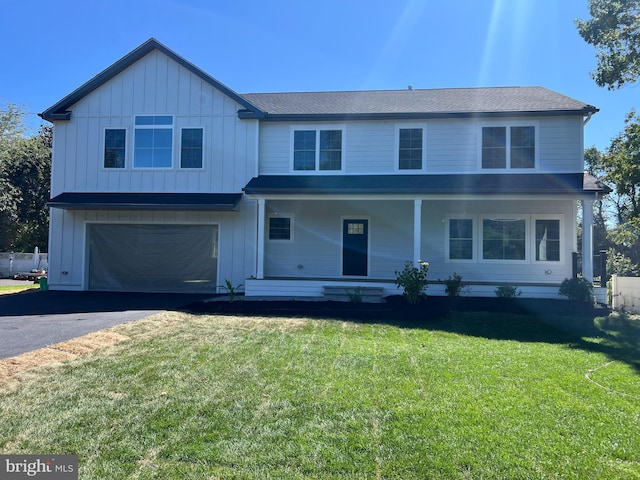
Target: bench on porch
[(353, 294)]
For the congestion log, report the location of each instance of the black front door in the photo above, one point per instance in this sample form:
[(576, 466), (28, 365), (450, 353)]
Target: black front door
[(355, 241)]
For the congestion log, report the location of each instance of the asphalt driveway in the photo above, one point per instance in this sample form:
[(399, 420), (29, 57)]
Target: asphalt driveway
[(36, 319)]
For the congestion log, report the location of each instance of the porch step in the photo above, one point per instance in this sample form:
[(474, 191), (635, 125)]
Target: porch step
[(353, 294)]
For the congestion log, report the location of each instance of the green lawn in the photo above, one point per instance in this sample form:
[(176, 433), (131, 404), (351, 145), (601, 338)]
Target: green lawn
[(18, 288), (472, 396)]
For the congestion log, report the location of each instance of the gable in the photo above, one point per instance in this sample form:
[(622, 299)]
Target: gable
[(62, 110)]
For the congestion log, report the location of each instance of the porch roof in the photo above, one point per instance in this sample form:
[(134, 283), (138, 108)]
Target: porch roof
[(145, 201), (454, 184)]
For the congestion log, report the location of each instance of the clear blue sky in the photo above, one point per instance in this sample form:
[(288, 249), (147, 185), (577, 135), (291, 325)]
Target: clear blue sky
[(51, 47)]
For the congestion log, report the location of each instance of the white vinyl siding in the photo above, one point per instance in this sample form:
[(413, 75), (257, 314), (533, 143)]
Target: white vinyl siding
[(451, 146), (155, 85), (315, 250)]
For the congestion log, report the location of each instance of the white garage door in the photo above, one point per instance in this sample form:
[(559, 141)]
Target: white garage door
[(153, 258)]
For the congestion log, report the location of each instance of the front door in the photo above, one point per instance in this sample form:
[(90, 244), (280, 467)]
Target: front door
[(355, 244)]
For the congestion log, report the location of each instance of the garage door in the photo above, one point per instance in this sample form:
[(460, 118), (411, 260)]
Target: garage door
[(152, 258)]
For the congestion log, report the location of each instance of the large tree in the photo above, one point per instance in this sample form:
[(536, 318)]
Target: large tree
[(25, 169), (614, 30), (619, 167)]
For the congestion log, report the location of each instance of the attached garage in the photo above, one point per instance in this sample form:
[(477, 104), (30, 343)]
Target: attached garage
[(152, 257)]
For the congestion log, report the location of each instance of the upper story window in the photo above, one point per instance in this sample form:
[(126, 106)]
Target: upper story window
[(315, 149), (509, 147), (153, 141), (191, 148), (410, 149), (115, 147)]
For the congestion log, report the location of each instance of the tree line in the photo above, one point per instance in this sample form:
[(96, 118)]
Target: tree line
[(614, 31), (25, 181)]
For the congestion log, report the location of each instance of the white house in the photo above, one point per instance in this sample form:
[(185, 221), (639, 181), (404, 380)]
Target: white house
[(164, 179)]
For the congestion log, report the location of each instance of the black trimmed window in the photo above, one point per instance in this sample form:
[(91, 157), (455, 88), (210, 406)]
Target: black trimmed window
[(317, 150), (115, 142), (547, 240), (279, 228), (514, 146), (410, 149), (153, 141), (191, 148), (504, 239)]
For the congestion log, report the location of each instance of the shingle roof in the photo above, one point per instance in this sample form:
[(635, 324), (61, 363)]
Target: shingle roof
[(455, 184), (437, 102)]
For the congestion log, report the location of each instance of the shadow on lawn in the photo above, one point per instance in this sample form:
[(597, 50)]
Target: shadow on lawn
[(526, 320)]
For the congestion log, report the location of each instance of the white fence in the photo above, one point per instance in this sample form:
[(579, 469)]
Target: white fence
[(625, 293), (12, 263)]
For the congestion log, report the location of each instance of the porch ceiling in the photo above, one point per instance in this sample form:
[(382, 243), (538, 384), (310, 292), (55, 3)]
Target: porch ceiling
[(473, 184)]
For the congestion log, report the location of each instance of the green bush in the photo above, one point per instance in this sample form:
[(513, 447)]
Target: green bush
[(507, 291), (413, 281), (577, 289), (453, 285)]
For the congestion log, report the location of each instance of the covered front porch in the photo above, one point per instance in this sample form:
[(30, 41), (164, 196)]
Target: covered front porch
[(355, 232)]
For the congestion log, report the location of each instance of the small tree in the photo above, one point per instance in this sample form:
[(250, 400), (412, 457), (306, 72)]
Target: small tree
[(413, 281)]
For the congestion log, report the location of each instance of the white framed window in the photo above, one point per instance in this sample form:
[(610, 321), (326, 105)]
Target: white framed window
[(547, 233), (504, 238), (191, 147), (411, 148), (153, 141), (509, 146), (280, 228), (318, 149), (461, 239), (115, 148)]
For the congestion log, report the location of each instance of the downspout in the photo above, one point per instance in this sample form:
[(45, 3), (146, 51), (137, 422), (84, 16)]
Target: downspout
[(588, 119)]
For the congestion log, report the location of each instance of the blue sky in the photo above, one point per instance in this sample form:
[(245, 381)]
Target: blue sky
[(50, 48)]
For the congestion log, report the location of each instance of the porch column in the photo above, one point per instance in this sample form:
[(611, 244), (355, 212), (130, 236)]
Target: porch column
[(417, 230), (260, 242), (587, 239)]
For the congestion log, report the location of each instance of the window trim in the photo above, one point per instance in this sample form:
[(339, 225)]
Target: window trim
[(186, 127), (507, 125), (560, 219), (290, 216), (506, 217), (410, 126), (474, 239), (126, 148), (171, 127), (317, 129)]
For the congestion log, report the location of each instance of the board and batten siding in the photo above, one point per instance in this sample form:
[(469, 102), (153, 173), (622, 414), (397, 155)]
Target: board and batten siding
[(316, 248), (452, 145), (155, 85), (68, 249)]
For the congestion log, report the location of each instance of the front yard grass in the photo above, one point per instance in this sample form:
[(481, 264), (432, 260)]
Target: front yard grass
[(8, 289), (471, 396)]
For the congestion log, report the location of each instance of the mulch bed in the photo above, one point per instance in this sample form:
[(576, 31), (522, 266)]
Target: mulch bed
[(396, 307)]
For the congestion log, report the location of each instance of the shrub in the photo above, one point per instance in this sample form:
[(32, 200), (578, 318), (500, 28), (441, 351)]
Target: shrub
[(413, 281), (577, 289), (508, 291), (453, 285)]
